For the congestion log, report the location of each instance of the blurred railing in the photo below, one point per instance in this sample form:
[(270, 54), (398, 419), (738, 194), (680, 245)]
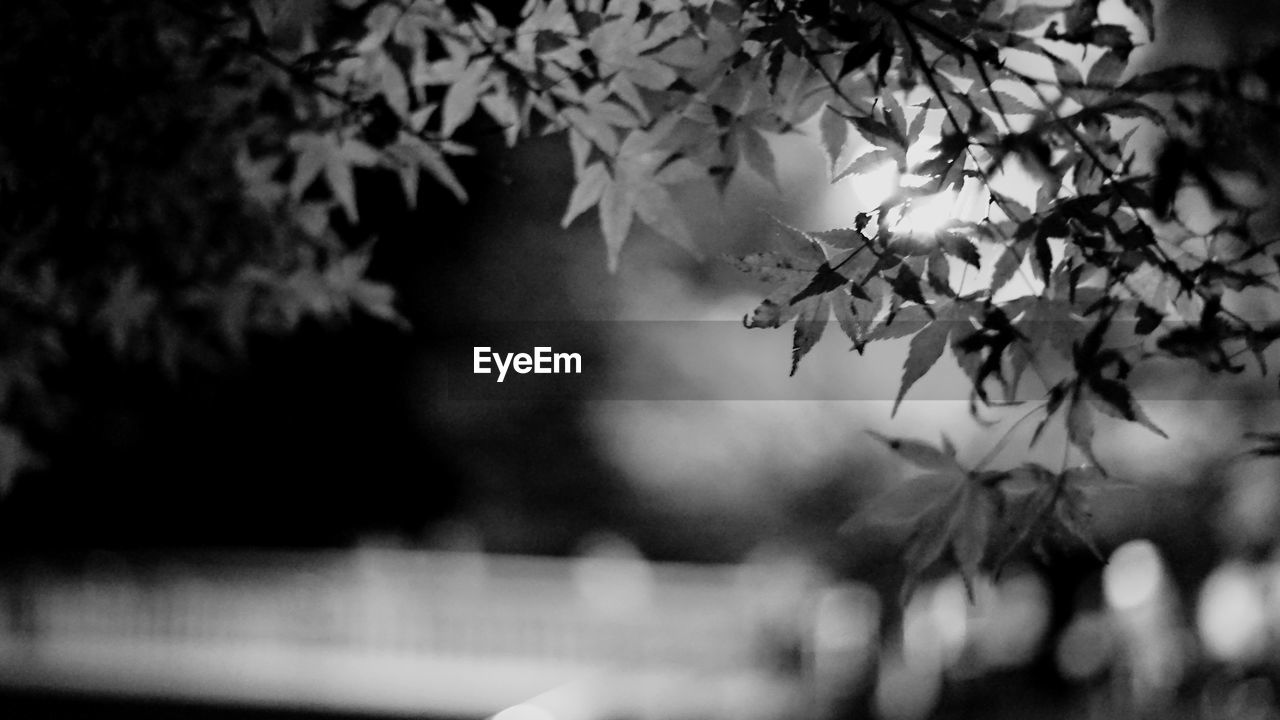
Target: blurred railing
[(406, 632)]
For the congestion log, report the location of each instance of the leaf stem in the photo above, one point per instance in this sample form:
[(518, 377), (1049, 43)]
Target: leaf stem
[(1008, 434)]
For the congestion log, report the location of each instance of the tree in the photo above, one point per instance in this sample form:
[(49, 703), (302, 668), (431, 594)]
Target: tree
[(221, 199)]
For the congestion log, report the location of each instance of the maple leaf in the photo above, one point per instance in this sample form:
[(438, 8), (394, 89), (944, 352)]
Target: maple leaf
[(411, 154), (1042, 506), (756, 151), (947, 164), (955, 523), (927, 344), (811, 322), (636, 187), (332, 156), (834, 131), (867, 162), (1113, 398), (813, 280), (1045, 325)]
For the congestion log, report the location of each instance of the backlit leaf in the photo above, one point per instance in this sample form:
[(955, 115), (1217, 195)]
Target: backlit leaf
[(835, 132), (919, 453), (926, 347)]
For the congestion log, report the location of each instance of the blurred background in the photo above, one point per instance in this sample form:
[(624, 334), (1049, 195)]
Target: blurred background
[(327, 531)]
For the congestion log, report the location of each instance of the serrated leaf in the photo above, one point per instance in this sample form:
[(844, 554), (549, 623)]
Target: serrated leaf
[(917, 123), (865, 163), (920, 454), (895, 118), (975, 519), (313, 153), (758, 154), (947, 164), (655, 206), (588, 190), (615, 220), (1114, 399), (938, 273), (1006, 267), (929, 540), (907, 285), (790, 275), (925, 350), (1048, 323), (960, 247), (811, 321), (1071, 515), (461, 97), (1068, 75), (411, 150), (835, 133), (904, 503), (856, 57), (1010, 104), (1107, 69), (842, 306), (1080, 426), (875, 132), (824, 281)]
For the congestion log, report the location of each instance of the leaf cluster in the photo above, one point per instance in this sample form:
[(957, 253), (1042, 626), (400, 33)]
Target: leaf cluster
[(270, 116)]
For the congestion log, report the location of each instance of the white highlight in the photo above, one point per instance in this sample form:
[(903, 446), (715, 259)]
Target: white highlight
[(1231, 614), (871, 188), (612, 577), (925, 216), (1133, 576)]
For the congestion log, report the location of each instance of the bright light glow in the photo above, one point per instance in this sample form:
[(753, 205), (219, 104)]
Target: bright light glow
[(847, 616), (845, 637), (1231, 614), (524, 711), (1133, 576), (949, 609), (936, 624), (873, 187), (924, 216), (922, 647)]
